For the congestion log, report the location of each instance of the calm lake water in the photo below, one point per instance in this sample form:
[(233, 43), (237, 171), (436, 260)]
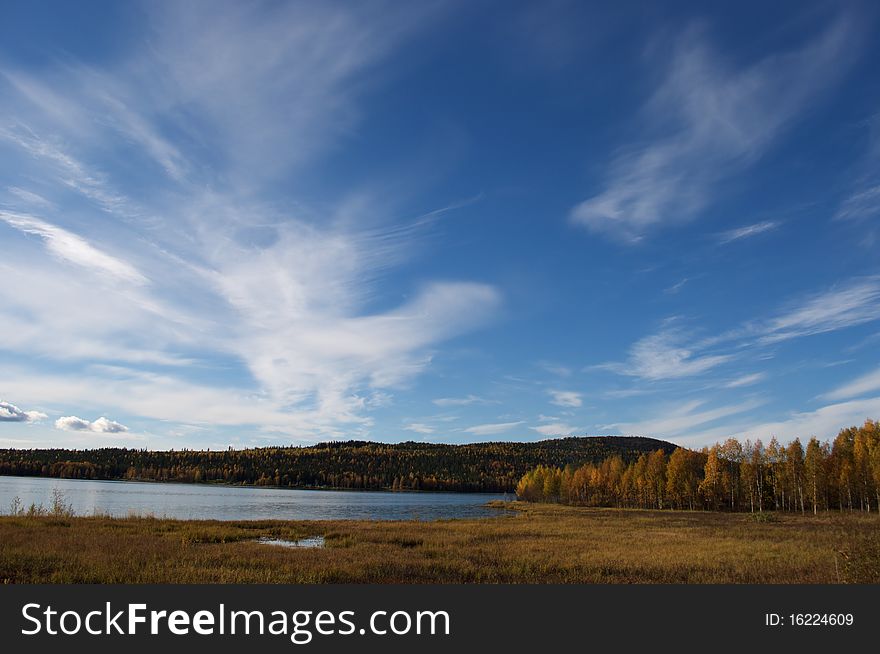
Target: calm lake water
[(198, 502)]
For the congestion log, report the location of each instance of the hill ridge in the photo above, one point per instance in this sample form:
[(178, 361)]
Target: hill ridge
[(491, 466)]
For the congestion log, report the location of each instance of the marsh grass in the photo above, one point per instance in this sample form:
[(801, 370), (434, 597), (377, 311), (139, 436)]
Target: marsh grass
[(59, 508), (533, 544), (860, 558)]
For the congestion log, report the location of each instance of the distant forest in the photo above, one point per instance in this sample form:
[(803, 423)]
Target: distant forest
[(480, 467), (732, 476)]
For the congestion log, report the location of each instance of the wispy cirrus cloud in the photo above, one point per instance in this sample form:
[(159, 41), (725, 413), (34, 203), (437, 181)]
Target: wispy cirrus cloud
[(711, 119), (29, 197), (746, 380), (675, 288), (867, 383), (665, 356), (677, 420), (66, 170), (165, 152), (460, 401), (251, 69), (824, 423), (565, 398), (73, 249), (862, 203), (672, 353), (420, 428), (852, 303), (491, 429), (746, 232)]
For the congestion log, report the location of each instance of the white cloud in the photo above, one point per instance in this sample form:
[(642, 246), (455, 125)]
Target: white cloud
[(863, 203), (29, 197), (677, 420), (73, 249), (72, 423), (824, 423), (173, 400), (746, 380), (663, 356), (746, 232), (675, 288), (852, 304), (419, 428), (492, 428), (711, 120), (555, 429), (11, 413), (565, 398), (283, 293), (273, 88), (68, 171), (460, 401), (100, 426), (862, 385)]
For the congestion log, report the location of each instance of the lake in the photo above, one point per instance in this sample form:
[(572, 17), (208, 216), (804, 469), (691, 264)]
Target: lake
[(202, 502)]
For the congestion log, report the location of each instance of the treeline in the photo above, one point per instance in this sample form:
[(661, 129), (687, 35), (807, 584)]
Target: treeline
[(479, 467), (733, 476)]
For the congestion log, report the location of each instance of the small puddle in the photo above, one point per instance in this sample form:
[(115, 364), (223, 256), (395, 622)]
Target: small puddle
[(315, 541)]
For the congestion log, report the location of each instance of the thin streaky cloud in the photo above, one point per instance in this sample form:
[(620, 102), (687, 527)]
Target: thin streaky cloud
[(746, 232), (275, 88), (29, 198), (824, 423), (675, 288), (104, 96), (461, 401), (746, 380), (70, 172), (848, 305), (669, 354), (867, 383), (665, 356), (723, 119), (73, 249), (419, 428), (490, 429), (862, 203), (674, 421)]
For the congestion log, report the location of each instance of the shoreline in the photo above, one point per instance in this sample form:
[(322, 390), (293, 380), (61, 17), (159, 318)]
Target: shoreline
[(222, 484)]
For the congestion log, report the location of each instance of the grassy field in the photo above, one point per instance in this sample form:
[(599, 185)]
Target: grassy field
[(533, 544)]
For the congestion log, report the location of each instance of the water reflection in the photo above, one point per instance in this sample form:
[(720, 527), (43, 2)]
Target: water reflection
[(203, 502), (315, 541)]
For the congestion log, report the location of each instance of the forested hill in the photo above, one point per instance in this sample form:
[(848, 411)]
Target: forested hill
[(489, 467)]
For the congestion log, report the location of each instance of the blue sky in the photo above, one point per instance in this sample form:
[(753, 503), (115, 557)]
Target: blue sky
[(251, 224)]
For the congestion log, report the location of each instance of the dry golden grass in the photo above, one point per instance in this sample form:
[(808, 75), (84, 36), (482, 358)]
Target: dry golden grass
[(534, 544)]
